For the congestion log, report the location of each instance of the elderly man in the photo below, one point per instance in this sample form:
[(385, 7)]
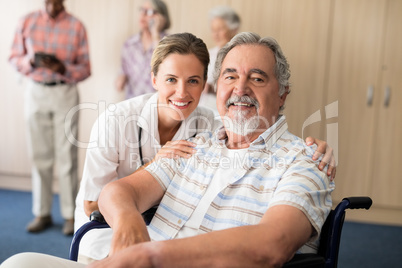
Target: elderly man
[(250, 196), (50, 48)]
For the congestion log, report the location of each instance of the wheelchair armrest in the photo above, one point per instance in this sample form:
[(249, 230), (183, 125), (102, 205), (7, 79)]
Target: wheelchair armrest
[(97, 216), (308, 260), (358, 202), (96, 222)]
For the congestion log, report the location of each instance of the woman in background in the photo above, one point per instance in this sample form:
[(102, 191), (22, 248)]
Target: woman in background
[(137, 51)]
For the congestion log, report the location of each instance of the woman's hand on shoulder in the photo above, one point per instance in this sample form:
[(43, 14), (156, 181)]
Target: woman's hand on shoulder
[(328, 156), (176, 149)]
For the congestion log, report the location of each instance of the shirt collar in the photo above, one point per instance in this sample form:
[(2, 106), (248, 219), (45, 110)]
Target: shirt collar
[(266, 140)]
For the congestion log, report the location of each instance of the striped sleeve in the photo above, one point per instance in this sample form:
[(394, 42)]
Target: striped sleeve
[(307, 188)]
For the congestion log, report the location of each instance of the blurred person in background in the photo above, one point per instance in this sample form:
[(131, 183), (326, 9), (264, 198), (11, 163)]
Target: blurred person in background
[(50, 47), (225, 24), (137, 50)]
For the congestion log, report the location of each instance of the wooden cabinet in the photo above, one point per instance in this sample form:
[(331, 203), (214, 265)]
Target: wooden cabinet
[(365, 59), (387, 146)]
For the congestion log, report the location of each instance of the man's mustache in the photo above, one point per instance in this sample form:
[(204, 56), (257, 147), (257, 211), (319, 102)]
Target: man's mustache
[(243, 99)]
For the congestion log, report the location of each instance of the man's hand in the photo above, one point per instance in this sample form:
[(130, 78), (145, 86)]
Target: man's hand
[(125, 234), (139, 255), (121, 202), (328, 159)]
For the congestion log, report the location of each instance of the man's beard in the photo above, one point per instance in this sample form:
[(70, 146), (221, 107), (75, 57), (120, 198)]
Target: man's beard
[(240, 124)]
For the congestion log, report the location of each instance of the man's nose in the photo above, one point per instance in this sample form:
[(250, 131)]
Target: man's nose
[(241, 87)]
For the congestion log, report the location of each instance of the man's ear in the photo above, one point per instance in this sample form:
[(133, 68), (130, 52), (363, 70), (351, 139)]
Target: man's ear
[(153, 77), (284, 95)]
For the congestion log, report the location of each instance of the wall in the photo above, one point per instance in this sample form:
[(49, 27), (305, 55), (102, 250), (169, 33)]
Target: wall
[(108, 23)]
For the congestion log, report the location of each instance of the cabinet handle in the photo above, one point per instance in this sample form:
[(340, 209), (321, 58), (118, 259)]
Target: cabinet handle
[(387, 96), (370, 95)]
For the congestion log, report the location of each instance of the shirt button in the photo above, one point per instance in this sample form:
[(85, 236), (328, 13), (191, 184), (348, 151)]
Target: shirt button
[(179, 221), (261, 187)]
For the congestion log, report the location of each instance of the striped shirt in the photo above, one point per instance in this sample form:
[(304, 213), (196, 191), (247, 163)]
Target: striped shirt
[(136, 66), (65, 37), (276, 170)]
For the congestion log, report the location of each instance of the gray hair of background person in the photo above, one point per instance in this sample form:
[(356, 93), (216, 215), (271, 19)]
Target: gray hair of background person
[(282, 71), (162, 9), (183, 44), (226, 13)]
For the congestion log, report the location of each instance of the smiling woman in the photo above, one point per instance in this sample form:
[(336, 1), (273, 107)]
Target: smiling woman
[(179, 83), (167, 118)]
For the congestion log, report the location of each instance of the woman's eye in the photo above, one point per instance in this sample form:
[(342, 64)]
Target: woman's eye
[(171, 80)]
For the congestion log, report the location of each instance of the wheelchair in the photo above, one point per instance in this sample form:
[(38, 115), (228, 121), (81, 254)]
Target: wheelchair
[(327, 255)]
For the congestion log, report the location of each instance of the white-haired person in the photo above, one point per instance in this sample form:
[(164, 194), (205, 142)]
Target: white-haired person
[(224, 23)]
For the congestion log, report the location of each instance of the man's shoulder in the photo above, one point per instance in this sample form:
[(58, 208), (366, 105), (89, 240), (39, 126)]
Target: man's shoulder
[(292, 144), (72, 18)]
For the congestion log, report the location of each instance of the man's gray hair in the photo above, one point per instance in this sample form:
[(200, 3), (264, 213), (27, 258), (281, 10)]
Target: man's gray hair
[(226, 13), (282, 71)]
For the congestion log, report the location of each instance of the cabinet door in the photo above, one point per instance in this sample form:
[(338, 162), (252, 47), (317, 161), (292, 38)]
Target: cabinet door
[(354, 66), (387, 183)]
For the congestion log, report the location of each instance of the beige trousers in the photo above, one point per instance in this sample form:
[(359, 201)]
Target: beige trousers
[(46, 110)]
